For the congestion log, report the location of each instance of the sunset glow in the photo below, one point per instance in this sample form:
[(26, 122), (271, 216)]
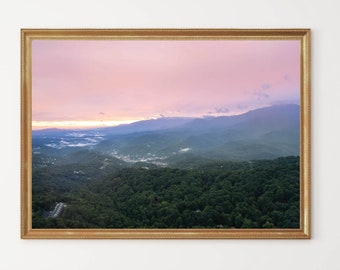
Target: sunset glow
[(78, 124), (83, 83)]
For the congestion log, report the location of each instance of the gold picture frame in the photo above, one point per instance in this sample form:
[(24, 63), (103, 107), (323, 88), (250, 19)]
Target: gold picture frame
[(30, 35)]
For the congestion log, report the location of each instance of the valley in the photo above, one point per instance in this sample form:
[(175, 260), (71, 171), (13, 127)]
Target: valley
[(211, 172)]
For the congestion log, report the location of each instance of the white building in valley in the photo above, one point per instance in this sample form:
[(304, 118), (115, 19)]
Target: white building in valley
[(59, 207)]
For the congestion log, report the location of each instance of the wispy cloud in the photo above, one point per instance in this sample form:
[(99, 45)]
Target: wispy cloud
[(242, 107), (265, 86), (262, 92), (221, 110)]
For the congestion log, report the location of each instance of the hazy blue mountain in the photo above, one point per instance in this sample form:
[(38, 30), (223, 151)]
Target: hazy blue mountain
[(147, 125), (264, 133)]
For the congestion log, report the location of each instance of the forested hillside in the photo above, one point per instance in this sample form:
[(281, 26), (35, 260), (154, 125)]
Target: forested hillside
[(249, 194)]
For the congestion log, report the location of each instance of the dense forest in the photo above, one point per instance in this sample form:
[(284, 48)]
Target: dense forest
[(247, 194)]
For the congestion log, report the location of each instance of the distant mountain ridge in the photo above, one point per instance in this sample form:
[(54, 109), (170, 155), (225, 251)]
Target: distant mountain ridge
[(264, 133)]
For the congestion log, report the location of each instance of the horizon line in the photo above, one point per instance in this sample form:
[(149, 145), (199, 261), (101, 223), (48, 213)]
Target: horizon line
[(90, 124)]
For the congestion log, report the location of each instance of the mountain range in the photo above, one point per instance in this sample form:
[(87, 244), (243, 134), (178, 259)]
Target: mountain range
[(264, 133)]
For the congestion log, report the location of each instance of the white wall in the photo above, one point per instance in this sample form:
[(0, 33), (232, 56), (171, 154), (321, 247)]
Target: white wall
[(322, 252)]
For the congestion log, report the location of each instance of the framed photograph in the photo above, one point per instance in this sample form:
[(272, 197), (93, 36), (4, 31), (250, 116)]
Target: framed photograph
[(165, 133)]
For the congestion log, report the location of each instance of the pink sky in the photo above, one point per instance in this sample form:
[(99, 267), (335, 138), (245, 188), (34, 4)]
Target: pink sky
[(130, 80)]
